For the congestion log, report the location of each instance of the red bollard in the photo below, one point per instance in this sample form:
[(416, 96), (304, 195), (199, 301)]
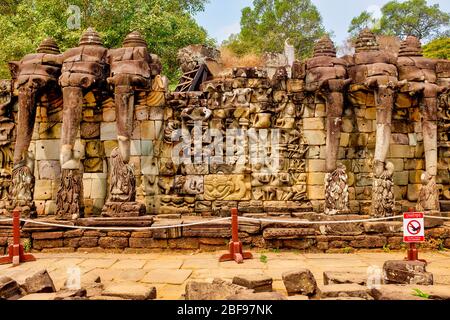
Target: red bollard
[(16, 253), (236, 252)]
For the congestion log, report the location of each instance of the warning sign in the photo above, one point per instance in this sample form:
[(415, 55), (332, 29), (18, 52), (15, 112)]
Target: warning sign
[(413, 227)]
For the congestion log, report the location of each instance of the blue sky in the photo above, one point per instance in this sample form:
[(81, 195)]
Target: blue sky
[(221, 17)]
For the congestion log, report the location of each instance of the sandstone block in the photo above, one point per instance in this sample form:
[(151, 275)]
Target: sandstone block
[(40, 282), (108, 131), (43, 190), (300, 281), (258, 283), (9, 288), (47, 149), (315, 137), (406, 272), (313, 124), (217, 290)]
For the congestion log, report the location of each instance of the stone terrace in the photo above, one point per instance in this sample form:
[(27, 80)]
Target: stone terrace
[(169, 272)]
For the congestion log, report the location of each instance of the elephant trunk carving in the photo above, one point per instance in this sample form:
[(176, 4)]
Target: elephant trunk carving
[(124, 98), (72, 111), (25, 125)]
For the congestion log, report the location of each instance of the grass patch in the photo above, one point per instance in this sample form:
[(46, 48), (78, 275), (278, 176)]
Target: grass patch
[(420, 293), (263, 258)]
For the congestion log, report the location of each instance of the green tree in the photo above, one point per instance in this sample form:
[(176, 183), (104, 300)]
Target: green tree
[(266, 26), (438, 48), (411, 17), (167, 25)]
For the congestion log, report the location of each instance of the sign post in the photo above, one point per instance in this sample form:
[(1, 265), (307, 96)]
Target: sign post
[(413, 232)]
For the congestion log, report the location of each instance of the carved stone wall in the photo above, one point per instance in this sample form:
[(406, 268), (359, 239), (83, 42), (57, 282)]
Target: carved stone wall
[(253, 107)]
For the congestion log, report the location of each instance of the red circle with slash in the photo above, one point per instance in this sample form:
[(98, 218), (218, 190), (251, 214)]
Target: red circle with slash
[(414, 227)]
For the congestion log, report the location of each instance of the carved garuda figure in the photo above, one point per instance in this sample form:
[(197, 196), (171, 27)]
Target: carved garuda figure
[(419, 73), (375, 70), (34, 74), (130, 72), (327, 76)]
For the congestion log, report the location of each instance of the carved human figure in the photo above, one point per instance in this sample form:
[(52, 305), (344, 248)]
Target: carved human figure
[(34, 74), (419, 73), (375, 71), (327, 75)]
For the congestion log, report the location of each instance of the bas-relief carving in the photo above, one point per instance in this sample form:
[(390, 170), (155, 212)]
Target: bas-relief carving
[(226, 187), (121, 201), (70, 194), (383, 189)]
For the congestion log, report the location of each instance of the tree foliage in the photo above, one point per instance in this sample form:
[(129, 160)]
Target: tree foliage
[(266, 26), (438, 48), (411, 17), (167, 25)]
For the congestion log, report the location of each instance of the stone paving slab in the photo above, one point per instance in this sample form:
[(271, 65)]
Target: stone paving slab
[(163, 264), (98, 263), (129, 264), (168, 276), (170, 271)]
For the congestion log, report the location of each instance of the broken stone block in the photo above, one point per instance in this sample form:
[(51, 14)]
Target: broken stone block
[(411, 292), (258, 283), (217, 290), (300, 281), (406, 272), (130, 290), (258, 296), (9, 289), (68, 294), (343, 290), (331, 277), (40, 282)]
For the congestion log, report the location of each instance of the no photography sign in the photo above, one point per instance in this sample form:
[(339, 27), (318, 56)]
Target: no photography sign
[(413, 227)]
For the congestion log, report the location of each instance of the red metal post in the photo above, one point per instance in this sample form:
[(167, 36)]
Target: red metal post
[(16, 253), (236, 252)]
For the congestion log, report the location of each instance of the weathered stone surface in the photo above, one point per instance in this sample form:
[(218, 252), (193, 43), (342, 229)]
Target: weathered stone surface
[(300, 281), (40, 282), (406, 272), (217, 290), (113, 242), (287, 233), (408, 292), (9, 288), (258, 283), (333, 277), (383, 227), (343, 290), (130, 290), (258, 296)]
